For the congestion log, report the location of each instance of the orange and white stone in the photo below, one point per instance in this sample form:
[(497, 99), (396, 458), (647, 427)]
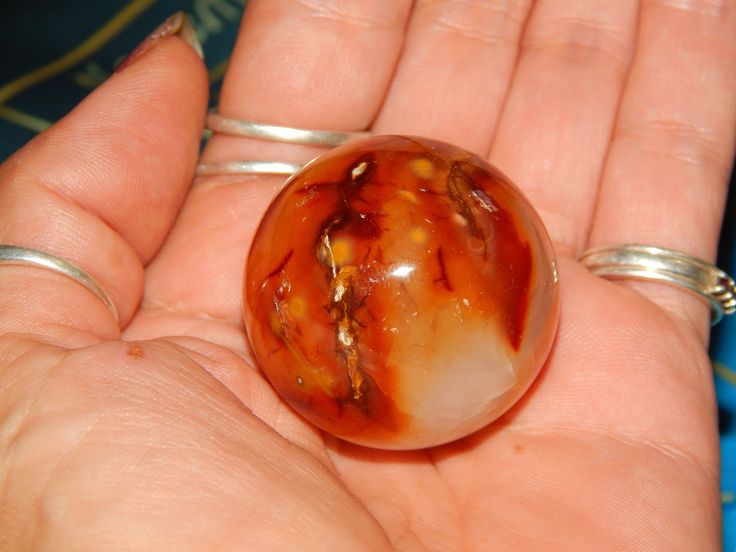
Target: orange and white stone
[(400, 293)]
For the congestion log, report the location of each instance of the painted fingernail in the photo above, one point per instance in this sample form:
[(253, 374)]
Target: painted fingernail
[(176, 25)]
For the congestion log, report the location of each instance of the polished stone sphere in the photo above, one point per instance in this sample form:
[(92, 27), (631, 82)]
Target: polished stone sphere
[(400, 293)]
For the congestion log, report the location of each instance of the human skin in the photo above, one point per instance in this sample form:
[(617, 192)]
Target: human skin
[(616, 119)]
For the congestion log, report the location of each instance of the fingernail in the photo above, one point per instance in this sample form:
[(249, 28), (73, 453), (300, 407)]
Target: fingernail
[(176, 25)]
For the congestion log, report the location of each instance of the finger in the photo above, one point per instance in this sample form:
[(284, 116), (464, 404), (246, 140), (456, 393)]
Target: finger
[(311, 64), (454, 71), (667, 173), (101, 188), (557, 122)]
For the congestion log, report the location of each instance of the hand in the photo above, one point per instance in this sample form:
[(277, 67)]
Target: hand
[(616, 119)]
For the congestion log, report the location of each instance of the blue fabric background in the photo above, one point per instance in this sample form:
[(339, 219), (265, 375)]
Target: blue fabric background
[(55, 52)]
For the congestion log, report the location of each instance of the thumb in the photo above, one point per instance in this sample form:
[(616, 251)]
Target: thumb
[(101, 189)]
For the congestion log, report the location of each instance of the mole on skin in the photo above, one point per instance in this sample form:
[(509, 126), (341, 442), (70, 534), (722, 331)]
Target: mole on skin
[(400, 293)]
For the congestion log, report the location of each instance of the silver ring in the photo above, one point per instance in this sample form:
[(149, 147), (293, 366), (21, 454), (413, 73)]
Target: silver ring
[(644, 262), (14, 255), (238, 127), (247, 167)]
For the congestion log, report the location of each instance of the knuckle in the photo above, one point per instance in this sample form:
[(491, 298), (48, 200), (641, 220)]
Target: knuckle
[(582, 41), (712, 8), (681, 140), (352, 13), (487, 22)]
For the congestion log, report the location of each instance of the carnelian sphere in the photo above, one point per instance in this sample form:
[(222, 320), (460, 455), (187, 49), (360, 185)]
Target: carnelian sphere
[(400, 293)]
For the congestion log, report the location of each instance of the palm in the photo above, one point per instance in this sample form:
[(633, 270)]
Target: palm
[(562, 458), (615, 442)]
